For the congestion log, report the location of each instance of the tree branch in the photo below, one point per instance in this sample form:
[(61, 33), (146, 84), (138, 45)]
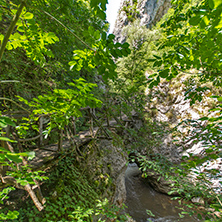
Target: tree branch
[(69, 31), (3, 98), (11, 27)]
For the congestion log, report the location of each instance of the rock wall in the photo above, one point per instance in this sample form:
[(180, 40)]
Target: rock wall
[(148, 11), (172, 107), (114, 161)]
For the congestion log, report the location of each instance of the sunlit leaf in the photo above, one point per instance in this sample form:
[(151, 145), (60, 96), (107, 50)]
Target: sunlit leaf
[(14, 157), (28, 15), (7, 139), (195, 20), (4, 121), (214, 3)]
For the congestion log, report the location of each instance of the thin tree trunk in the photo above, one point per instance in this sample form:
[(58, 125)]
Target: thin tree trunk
[(34, 198), (11, 28), (27, 187)]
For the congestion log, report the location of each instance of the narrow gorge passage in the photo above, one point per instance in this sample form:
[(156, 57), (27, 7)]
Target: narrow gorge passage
[(141, 197)]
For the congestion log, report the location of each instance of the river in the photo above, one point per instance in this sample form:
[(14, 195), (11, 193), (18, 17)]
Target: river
[(141, 197)]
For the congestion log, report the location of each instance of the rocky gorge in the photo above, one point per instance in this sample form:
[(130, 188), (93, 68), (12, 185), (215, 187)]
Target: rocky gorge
[(146, 135), (149, 12), (172, 106)]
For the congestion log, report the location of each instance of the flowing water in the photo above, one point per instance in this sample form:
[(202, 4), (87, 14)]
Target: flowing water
[(141, 197)]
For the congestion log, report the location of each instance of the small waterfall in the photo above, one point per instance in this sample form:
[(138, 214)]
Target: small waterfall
[(141, 197)]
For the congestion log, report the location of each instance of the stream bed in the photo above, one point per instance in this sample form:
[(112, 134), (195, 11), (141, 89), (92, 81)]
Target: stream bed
[(141, 197)]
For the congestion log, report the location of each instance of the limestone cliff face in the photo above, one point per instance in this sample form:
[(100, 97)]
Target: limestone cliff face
[(148, 11)]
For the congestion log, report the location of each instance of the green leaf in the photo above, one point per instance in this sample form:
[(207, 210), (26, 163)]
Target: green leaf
[(113, 53), (101, 14), (79, 65), (125, 45), (128, 50), (214, 3), (211, 4), (4, 121), (151, 60), (72, 64), (202, 24), (158, 63), (91, 30), (1, 37), (7, 139), (14, 157), (3, 149), (195, 20), (23, 182), (157, 57), (164, 73), (103, 5), (219, 99), (96, 34), (204, 118), (124, 52), (219, 25), (111, 37), (28, 15), (93, 3), (12, 215), (103, 35)]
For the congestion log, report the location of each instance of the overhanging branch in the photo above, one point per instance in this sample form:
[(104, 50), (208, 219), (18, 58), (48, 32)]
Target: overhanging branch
[(84, 43), (11, 27)]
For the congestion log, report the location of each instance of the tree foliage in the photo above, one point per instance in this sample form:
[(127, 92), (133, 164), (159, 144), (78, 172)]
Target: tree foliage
[(33, 29), (53, 53), (193, 36)]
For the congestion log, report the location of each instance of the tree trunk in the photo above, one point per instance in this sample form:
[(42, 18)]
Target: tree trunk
[(35, 200)]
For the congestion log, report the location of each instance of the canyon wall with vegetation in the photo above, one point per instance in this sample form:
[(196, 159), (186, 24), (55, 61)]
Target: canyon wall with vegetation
[(148, 12), (76, 102)]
